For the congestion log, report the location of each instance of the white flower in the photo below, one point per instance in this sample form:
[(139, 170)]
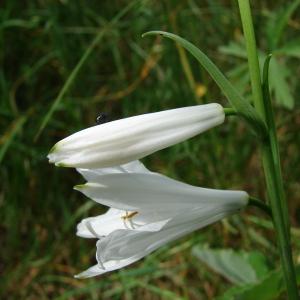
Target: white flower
[(128, 139), (147, 210)]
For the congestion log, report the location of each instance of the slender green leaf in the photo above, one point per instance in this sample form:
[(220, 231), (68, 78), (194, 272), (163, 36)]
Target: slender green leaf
[(273, 135), (242, 106)]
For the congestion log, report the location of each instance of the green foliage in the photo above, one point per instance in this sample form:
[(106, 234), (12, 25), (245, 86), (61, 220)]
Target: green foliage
[(280, 74), (242, 107), (247, 270), (238, 267), (41, 44)]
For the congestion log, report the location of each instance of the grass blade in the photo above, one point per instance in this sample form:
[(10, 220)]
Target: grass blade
[(9, 135)]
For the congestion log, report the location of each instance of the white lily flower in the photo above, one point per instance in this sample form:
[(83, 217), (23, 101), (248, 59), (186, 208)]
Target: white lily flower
[(147, 210), (128, 139)]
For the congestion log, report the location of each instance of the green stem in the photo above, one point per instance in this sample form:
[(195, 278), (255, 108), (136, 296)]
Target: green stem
[(270, 155), (261, 205), (270, 120), (279, 223), (254, 71), (229, 111)]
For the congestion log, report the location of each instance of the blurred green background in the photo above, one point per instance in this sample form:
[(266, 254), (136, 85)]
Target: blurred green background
[(64, 62)]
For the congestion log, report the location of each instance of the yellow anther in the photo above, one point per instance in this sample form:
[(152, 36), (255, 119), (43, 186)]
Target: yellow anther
[(129, 215)]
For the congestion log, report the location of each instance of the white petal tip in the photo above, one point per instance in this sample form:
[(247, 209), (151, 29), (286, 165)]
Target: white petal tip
[(80, 276), (218, 105), (246, 198), (62, 165), (53, 149), (79, 187), (50, 158)]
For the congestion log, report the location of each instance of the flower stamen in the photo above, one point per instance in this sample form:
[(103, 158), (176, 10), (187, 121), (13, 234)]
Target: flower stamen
[(128, 217)]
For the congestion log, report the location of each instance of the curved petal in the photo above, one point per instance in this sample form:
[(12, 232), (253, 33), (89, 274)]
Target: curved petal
[(128, 244), (114, 219), (93, 175), (153, 192), (109, 266), (99, 226)]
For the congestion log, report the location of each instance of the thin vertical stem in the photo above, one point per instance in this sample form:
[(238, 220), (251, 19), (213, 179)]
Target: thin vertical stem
[(284, 244), (270, 155), (254, 71), (270, 120)]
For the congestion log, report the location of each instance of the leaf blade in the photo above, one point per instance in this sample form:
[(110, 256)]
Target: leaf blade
[(241, 105)]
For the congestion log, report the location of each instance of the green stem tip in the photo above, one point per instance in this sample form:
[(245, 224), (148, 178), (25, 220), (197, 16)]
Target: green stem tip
[(261, 205), (229, 111)]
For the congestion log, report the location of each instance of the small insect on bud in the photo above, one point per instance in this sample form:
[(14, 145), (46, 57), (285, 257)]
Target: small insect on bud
[(102, 118)]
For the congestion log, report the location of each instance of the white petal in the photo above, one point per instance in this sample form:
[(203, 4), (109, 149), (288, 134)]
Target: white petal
[(124, 247), (135, 167), (136, 146), (153, 192), (121, 141), (124, 244), (103, 225), (96, 227), (127, 126), (92, 271), (109, 266), (92, 175)]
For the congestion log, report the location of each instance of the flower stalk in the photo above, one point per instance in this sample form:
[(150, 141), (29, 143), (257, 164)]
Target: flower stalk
[(270, 153), (261, 205), (230, 111)]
